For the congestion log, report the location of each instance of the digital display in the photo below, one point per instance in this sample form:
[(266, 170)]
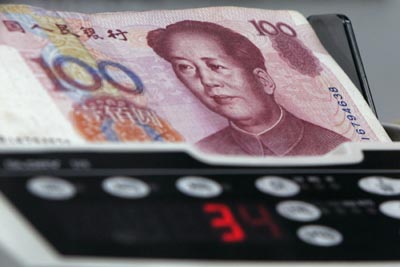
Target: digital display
[(231, 231)]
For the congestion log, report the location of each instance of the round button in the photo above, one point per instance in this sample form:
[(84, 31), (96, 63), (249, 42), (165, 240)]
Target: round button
[(277, 186), (319, 235), (125, 187), (298, 211), (52, 188), (198, 187), (391, 209), (380, 185)]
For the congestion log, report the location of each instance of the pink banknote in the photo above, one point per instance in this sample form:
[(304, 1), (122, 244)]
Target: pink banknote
[(227, 81)]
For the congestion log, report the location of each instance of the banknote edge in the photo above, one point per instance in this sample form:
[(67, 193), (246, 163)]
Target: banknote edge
[(152, 10)]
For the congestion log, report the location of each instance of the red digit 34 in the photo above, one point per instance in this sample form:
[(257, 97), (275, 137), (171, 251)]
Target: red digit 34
[(225, 220)]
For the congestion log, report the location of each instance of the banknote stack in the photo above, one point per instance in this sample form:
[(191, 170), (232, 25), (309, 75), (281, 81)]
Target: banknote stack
[(226, 81)]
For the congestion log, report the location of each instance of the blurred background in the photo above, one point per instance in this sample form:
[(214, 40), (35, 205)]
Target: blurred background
[(375, 23)]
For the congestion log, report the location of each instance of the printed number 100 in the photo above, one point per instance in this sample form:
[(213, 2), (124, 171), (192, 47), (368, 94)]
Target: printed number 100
[(57, 74)]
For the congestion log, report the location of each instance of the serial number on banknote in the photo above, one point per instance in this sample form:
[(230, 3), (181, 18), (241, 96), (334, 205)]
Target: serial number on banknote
[(351, 118)]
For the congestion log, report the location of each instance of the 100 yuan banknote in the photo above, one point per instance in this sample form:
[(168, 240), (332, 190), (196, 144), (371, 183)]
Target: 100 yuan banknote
[(228, 81)]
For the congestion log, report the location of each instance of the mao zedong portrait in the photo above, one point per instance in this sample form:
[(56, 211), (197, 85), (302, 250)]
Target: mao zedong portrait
[(227, 73)]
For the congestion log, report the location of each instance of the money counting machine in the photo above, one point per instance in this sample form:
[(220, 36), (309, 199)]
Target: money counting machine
[(115, 207)]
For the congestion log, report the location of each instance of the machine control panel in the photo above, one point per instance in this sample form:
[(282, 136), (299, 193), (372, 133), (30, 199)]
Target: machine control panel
[(92, 204)]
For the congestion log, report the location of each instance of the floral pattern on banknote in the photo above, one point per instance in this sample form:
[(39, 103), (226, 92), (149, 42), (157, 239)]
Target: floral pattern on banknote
[(117, 119)]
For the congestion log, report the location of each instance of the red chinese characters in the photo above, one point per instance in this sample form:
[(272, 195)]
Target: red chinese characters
[(64, 29)]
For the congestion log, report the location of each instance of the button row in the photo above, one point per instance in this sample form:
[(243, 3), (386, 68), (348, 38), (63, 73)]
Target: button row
[(54, 188)]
